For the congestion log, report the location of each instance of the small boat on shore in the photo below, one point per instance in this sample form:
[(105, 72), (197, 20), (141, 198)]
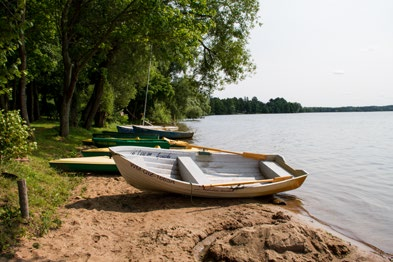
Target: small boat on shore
[(130, 128), (102, 151), (206, 173), (146, 130), (110, 141), (123, 135), (98, 164)]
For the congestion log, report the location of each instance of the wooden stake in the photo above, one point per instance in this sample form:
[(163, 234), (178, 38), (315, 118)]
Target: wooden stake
[(23, 200)]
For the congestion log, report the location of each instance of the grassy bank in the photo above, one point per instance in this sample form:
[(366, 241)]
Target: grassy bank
[(47, 189)]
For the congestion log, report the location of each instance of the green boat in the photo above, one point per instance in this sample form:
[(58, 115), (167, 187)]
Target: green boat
[(108, 141), (102, 151), (108, 134), (98, 164)]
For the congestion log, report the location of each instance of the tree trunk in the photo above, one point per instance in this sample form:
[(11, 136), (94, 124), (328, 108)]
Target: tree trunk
[(71, 76), (29, 102), (4, 102), (99, 119), (36, 103), (94, 101), (23, 67), (71, 72), (74, 119), (99, 84)]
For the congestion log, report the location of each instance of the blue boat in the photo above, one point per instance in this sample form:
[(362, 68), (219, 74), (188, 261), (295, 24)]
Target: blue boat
[(129, 129), (123, 135), (145, 130), (125, 129)]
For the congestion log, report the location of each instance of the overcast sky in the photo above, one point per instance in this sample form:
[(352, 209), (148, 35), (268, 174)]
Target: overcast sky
[(322, 53)]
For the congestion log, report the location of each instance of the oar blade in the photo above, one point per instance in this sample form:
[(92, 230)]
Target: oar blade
[(254, 156)]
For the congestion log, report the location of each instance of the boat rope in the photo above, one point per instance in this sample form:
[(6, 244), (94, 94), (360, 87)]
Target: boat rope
[(192, 202)]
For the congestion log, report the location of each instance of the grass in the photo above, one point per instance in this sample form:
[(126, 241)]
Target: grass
[(47, 188)]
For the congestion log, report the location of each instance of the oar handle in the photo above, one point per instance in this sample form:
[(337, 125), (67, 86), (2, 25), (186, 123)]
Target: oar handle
[(270, 180), (244, 154)]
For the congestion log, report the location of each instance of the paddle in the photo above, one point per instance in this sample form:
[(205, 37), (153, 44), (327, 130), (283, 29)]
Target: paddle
[(244, 154), (270, 180)]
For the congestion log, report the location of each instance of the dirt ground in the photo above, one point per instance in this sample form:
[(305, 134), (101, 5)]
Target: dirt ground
[(108, 220)]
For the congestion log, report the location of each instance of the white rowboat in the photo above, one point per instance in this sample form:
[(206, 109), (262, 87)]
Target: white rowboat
[(206, 174)]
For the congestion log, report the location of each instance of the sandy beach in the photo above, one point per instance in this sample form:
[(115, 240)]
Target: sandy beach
[(108, 220)]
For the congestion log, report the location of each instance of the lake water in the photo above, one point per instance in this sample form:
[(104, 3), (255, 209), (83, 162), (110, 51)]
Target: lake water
[(349, 157)]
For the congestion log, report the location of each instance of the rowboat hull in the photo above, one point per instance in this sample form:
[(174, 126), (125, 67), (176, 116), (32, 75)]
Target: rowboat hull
[(163, 133), (107, 142), (102, 151), (123, 135), (229, 175), (131, 130), (101, 164)]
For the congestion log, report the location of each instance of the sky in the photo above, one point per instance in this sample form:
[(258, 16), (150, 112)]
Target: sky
[(327, 53)]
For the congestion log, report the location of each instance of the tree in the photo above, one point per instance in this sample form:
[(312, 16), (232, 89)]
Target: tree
[(224, 57), (188, 101), (253, 106), (85, 26), (189, 39), (43, 59), (10, 26)]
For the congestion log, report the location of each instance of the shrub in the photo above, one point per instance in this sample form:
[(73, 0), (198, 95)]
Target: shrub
[(15, 136), (160, 114)]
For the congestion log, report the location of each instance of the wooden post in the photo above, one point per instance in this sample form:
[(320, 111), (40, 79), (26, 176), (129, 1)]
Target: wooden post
[(23, 200)]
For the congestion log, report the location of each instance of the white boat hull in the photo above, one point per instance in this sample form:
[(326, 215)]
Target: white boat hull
[(230, 175)]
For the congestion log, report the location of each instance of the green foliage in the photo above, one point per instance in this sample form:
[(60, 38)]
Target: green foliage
[(194, 112), (8, 46), (107, 101), (10, 227), (201, 41), (15, 136), (235, 105), (160, 114), (224, 57), (349, 109)]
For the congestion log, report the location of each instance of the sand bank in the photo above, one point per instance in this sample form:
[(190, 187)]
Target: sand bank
[(108, 220)]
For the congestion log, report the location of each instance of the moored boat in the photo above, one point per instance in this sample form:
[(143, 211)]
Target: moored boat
[(146, 130), (206, 173), (102, 151), (123, 135), (98, 164), (130, 128), (110, 141)]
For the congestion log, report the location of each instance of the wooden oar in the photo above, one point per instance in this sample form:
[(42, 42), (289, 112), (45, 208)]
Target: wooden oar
[(270, 180), (244, 154)]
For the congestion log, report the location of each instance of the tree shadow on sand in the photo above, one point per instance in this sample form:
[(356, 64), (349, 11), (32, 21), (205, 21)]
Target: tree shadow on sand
[(145, 202)]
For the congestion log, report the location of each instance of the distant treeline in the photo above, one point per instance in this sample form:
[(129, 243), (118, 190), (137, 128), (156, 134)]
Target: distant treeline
[(348, 109), (229, 106)]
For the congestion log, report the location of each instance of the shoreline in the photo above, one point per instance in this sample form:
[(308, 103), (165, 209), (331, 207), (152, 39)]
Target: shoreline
[(309, 218), (107, 219)]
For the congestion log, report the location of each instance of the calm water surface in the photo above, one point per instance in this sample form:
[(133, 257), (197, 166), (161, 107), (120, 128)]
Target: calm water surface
[(349, 157)]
